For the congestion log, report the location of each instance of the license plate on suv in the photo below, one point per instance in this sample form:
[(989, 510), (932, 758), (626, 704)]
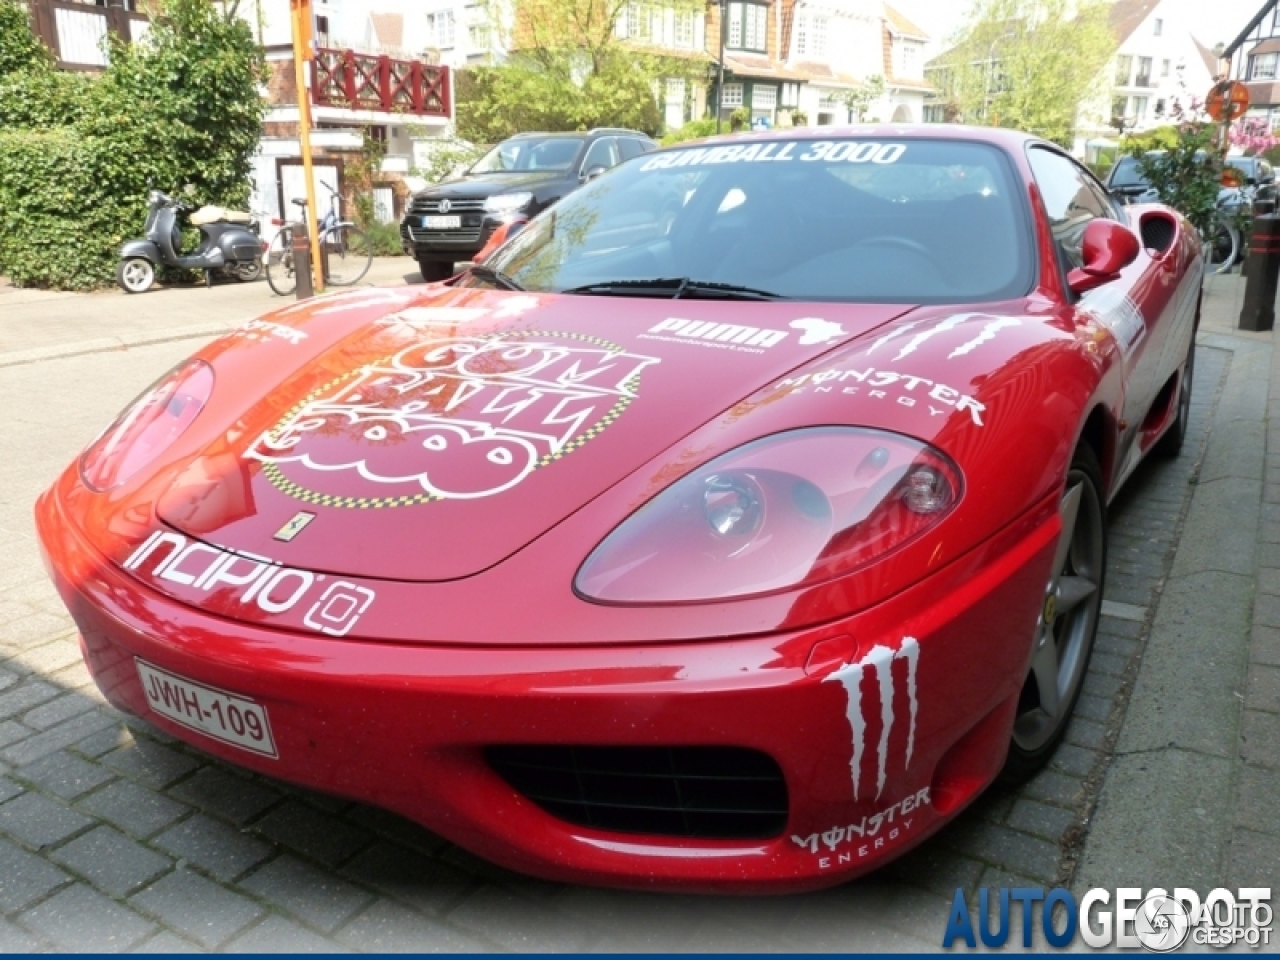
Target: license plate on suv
[(441, 223), (229, 717)]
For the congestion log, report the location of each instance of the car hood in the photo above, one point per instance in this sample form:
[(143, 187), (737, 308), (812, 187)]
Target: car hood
[(432, 442), (487, 184)]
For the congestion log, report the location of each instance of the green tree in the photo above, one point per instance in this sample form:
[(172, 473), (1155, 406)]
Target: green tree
[(570, 69), (19, 47), (1185, 169), (1029, 64), (860, 98)]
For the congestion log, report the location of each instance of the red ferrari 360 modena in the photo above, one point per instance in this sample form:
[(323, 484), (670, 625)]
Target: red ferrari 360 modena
[(731, 527)]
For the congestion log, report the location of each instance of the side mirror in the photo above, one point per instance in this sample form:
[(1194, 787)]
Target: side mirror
[(1108, 247), (592, 172)]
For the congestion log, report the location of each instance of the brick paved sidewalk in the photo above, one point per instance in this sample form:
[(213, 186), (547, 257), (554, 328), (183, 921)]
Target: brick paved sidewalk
[(115, 837)]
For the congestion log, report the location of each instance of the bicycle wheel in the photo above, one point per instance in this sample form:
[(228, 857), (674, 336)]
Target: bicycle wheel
[(279, 261), (1221, 247), (347, 254)]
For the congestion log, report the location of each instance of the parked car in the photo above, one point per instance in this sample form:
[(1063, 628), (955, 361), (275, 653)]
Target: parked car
[(1128, 184), (450, 222), (735, 545)]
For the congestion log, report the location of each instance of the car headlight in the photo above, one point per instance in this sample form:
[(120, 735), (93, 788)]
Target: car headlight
[(507, 202), (786, 511), (147, 426)]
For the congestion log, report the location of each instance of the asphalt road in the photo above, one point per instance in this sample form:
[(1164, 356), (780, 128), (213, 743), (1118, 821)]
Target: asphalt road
[(113, 836)]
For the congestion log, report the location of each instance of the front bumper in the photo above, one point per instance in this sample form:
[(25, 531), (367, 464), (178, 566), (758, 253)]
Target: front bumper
[(881, 739), (452, 246)]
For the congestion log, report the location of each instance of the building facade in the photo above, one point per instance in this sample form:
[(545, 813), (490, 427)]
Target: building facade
[(371, 80), (1254, 59)]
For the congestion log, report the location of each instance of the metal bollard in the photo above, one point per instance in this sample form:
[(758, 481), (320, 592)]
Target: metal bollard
[(1262, 266), (301, 248)]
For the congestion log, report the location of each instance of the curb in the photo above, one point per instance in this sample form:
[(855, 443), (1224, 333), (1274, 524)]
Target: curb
[(79, 348)]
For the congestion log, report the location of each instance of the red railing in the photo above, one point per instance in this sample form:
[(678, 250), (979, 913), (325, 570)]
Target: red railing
[(361, 81)]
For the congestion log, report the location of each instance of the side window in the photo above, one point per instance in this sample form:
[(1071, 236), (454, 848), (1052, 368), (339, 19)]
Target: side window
[(633, 147), (603, 153), (1071, 199)]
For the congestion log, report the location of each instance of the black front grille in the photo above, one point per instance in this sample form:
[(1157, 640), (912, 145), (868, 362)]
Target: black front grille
[(710, 792), (425, 205), (469, 235)]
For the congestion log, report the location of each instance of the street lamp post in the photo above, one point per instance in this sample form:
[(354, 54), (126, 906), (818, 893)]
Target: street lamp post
[(724, 16)]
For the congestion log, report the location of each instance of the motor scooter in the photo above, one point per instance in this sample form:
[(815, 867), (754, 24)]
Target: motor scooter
[(229, 245)]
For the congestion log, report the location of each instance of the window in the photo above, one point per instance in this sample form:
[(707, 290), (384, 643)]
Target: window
[(1164, 68), (673, 114), (478, 36), (910, 57), (764, 98), (603, 153), (1159, 27), (1124, 67), (1118, 108), (684, 29), (632, 147), (791, 94), (747, 25), (1139, 109), (440, 32), (1144, 72), (1264, 67), (322, 31), (732, 95), (811, 36), (1071, 200), (1160, 107)]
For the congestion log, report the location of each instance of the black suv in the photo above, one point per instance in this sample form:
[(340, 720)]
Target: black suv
[(450, 222)]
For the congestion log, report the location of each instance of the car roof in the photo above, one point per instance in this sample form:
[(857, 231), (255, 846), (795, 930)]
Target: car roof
[(597, 131)]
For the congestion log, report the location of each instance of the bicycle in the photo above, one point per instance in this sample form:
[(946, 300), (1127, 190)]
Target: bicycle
[(346, 253), (1223, 241)]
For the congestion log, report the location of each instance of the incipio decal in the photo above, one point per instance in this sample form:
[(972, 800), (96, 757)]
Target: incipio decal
[(878, 666), (251, 580), (449, 419)]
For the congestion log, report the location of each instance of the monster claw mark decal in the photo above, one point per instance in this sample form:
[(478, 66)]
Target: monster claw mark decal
[(878, 666), (988, 333), (456, 418)]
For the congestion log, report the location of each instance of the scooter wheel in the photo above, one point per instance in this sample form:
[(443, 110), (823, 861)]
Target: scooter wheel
[(135, 275), (247, 270)]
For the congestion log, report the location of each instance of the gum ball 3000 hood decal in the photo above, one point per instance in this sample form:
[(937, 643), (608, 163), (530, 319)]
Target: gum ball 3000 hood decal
[(479, 413)]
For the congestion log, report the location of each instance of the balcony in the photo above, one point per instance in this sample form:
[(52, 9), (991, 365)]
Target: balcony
[(363, 81), (1143, 80)]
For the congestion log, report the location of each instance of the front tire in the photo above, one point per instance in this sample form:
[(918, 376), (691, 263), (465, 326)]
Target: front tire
[(135, 275), (434, 271), (1064, 635)]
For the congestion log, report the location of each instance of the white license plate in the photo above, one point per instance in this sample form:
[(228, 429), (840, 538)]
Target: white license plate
[(228, 717), (441, 223)]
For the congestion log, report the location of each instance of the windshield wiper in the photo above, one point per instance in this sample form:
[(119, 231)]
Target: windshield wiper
[(676, 288), (496, 277)]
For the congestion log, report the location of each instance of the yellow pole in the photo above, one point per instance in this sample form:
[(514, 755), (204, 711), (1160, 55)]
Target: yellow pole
[(302, 52)]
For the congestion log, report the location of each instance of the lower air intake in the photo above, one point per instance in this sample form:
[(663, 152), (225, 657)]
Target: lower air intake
[(727, 793)]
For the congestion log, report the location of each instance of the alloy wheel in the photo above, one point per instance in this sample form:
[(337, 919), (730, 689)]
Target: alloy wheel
[(1068, 618)]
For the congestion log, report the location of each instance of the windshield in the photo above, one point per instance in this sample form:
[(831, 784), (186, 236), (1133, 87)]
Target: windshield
[(856, 220), (1127, 174), (530, 153)]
